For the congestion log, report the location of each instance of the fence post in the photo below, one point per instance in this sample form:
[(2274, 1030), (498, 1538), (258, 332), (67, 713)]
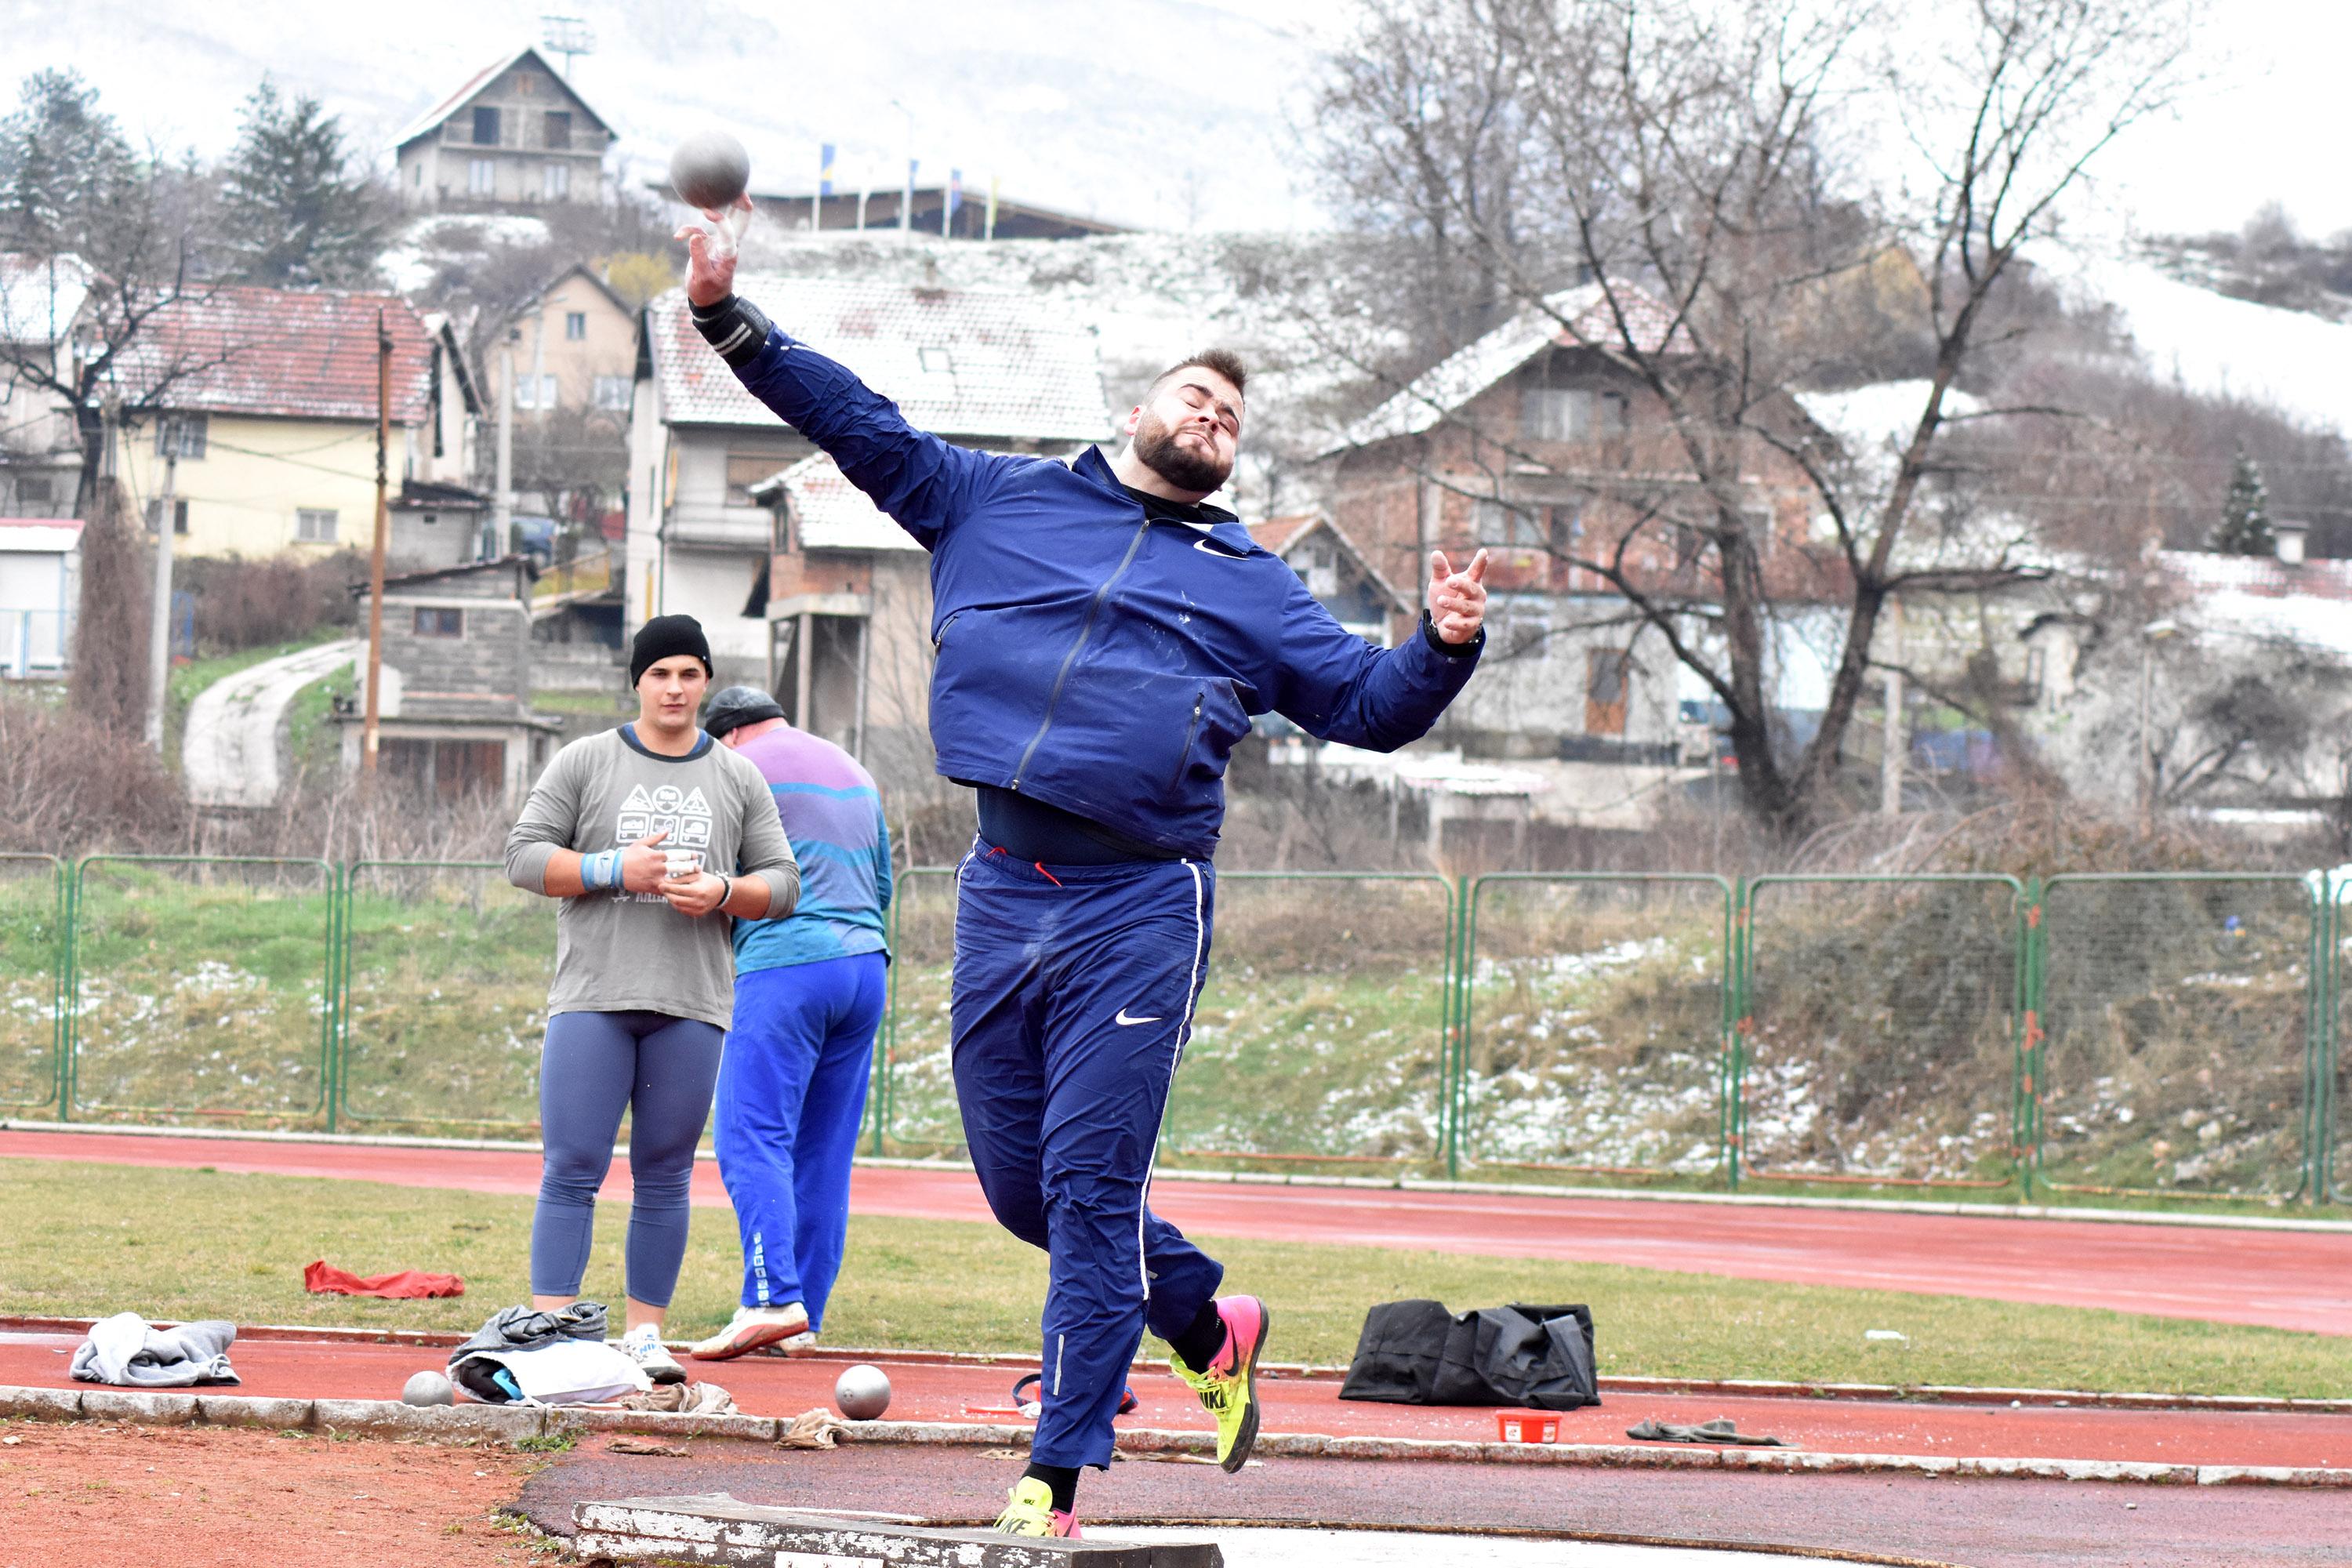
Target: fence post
[(2319, 1046), (2025, 1099), (1738, 1021), (70, 998), (330, 982), (1454, 1060), (886, 1044)]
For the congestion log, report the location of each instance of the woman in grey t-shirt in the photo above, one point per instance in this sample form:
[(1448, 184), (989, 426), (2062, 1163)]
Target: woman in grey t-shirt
[(645, 833)]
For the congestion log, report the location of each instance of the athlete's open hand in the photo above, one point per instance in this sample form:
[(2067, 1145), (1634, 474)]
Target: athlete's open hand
[(1457, 600), (695, 895), (710, 253), (643, 866)]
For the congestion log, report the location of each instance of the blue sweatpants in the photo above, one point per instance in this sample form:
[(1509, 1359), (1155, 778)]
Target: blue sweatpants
[(596, 1065), (792, 1092), (1073, 1000)]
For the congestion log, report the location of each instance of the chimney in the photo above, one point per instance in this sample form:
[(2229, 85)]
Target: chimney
[(2290, 536)]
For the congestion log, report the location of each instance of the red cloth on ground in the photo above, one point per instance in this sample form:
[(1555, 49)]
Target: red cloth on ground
[(323, 1279)]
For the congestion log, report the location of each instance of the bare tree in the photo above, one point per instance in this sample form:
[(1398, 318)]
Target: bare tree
[(1722, 179)]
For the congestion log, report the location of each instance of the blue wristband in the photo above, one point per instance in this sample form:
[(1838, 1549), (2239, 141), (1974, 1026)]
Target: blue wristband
[(601, 871)]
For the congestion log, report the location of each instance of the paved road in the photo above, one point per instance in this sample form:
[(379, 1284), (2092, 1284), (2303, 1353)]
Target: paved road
[(229, 751), (2288, 1279)]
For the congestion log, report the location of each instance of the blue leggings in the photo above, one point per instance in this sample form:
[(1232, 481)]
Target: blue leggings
[(596, 1065), (792, 1092)]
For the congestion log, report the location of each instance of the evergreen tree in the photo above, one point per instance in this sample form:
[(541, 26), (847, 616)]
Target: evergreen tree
[(294, 213), (2246, 526), (65, 172)]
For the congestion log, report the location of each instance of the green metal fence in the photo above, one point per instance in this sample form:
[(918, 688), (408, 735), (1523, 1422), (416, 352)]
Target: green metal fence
[(2183, 1036), (1878, 1033), (2181, 1015), (443, 977), (32, 980), (1321, 1035), (201, 988), (1595, 1018)]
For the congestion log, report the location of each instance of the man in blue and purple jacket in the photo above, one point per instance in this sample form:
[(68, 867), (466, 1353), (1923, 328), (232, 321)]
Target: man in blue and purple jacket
[(809, 991), (1104, 639)]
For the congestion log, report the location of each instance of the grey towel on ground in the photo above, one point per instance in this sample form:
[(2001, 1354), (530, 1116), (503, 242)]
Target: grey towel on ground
[(1722, 1429), (125, 1349), (522, 1328)]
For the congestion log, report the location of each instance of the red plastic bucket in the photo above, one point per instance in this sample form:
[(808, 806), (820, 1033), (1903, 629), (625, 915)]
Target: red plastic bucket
[(1527, 1425)]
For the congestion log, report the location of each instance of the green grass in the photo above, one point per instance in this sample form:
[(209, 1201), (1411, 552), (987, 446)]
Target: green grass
[(85, 1240)]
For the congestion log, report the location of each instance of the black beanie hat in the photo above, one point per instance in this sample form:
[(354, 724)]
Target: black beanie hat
[(735, 707), (666, 637)]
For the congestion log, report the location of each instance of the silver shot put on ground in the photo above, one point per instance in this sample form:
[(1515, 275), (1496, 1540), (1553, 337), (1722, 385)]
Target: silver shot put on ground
[(862, 1393)]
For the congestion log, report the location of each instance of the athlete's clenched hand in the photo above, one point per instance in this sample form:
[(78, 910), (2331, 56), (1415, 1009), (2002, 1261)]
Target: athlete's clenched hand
[(1457, 600), (643, 866)]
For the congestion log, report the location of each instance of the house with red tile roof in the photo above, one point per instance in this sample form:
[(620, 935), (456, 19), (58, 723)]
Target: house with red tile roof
[(736, 519), (513, 137), (1340, 576), (266, 438)]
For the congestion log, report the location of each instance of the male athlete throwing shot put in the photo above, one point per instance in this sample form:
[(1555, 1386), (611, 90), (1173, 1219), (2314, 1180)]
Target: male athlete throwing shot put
[(1103, 639)]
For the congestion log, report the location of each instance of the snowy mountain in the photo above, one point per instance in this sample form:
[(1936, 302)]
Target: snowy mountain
[(1162, 113)]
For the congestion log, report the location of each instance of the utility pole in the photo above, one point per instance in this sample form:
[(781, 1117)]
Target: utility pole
[(502, 499), (1890, 741), (159, 625), (374, 714)]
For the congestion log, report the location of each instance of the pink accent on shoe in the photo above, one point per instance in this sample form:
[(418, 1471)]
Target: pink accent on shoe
[(1066, 1525), (1244, 1319)]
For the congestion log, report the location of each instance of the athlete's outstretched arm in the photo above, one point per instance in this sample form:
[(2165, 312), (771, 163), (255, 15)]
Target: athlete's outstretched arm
[(1337, 687), (921, 482)]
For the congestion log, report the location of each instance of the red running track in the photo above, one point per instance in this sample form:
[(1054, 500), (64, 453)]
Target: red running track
[(2279, 1279), (936, 1391)]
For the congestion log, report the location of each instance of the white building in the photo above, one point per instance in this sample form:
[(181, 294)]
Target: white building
[(40, 588)]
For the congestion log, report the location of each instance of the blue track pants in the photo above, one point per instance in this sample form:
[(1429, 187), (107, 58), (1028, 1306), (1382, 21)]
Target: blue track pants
[(1073, 999), (792, 1092), (594, 1067)]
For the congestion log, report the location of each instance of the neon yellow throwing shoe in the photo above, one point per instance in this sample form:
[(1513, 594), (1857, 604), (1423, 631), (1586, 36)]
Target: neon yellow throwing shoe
[(1030, 1511), (1229, 1388)]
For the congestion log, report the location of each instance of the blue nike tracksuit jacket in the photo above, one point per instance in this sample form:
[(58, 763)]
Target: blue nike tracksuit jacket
[(1099, 661)]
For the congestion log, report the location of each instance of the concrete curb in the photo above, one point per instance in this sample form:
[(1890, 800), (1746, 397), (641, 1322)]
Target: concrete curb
[(509, 1424), (1018, 1360)]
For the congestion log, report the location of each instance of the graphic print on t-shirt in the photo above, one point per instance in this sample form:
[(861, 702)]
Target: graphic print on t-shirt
[(683, 814)]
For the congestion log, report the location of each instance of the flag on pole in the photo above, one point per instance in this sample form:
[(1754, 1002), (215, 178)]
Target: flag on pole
[(955, 200), (988, 227), (824, 170), (906, 202)]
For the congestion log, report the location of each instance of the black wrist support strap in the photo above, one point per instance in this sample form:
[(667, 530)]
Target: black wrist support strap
[(1450, 649), (734, 327)]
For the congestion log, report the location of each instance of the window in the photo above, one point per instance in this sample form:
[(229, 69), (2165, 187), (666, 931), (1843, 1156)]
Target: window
[(745, 469), (613, 392), (179, 514), (936, 360), (575, 326), (1607, 674), (187, 432), (1517, 526), (416, 173), (481, 177), (315, 525), (485, 127), (34, 490), (557, 135), (439, 622), (556, 181), (1573, 414), (535, 392)]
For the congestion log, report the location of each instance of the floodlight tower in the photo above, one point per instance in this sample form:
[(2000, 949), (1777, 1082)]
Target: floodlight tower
[(569, 36)]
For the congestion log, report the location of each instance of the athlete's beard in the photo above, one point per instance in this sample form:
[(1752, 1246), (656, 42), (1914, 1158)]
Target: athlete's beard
[(1186, 467)]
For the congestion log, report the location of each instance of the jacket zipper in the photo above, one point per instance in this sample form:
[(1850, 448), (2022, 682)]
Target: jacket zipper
[(1192, 730), (1086, 629), (941, 641)]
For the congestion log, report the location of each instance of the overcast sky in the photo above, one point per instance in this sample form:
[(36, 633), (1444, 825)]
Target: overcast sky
[(1160, 113)]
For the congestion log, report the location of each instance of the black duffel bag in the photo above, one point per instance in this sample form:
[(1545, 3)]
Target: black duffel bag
[(1417, 1352)]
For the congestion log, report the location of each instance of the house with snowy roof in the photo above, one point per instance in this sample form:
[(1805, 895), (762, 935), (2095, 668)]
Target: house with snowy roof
[(736, 519), (265, 440), (513, 137), (1531, 443)]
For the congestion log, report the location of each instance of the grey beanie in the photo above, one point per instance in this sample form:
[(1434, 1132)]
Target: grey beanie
[(736, 706)]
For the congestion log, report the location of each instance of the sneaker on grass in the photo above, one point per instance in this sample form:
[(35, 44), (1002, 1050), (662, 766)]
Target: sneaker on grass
[(754, 1328), (1229, 1387), (1030, 1511), (643, 1345)]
